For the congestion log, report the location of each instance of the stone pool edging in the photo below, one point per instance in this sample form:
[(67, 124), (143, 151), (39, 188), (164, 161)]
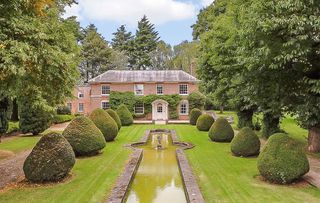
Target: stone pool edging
[(192, 190)]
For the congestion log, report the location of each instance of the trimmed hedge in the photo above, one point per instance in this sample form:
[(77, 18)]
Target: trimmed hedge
[(204, 122), (194, 115), (105, 123), (246, 143), (221, 131), (115, 117), (124, 115), (282, 160), (62, 118), (63, 110), (84, 137), (50, 160)]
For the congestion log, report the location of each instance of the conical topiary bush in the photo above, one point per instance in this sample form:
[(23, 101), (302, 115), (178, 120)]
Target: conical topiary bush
[(282, 160), (115, 117), (245, 143), (84, 137), (194, 115), (204, 122), (105, 123), (124, 115), (50, 160), (221, 131)]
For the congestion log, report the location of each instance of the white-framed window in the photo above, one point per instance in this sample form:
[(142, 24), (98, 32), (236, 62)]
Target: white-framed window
[(138, 89), (139, 108), (105, 105), (183, 89), (184, 107), (159, 89), (105, 89), (69, 105), (81, 107), (159, 108), (80, 95)]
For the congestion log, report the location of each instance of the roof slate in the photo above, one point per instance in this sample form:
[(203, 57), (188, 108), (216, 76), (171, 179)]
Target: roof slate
[(133, 76)]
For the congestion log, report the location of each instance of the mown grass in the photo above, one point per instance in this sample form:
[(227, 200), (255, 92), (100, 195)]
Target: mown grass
[(221, 176)]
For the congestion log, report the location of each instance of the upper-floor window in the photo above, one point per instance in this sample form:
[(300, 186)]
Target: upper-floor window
[(183, 89), (105, 105), (139, 108), (138, 89), (81, 107), (80, 95), (184, 107), (69, 105), (105, 89), (159, 89)]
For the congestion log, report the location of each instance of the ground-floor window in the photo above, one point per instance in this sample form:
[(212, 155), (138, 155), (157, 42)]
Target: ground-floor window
[(184, 107), (105, 105), (139, 108), (69, 105), (81, 107)]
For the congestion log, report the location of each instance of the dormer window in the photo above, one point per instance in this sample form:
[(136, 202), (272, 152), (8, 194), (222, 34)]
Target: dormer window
[(138, 89), (105, 90)]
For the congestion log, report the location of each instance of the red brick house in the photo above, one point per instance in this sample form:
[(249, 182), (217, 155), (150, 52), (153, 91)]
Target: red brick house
[(96, 93)]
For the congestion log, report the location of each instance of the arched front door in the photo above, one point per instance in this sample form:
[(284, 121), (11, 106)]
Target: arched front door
[(160, 110)]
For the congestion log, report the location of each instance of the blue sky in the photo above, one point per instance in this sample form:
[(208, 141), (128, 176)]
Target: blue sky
[(172, 18)]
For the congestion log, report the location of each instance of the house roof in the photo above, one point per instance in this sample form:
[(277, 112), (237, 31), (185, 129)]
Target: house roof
[(134, 76)]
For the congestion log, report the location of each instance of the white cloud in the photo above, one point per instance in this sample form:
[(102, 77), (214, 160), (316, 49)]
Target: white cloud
[(130, 11), (206, 2)]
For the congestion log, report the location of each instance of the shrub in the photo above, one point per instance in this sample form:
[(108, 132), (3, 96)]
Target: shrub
[(50, 160), (282, 160), (34, 118), (221, 131), (105, 123), (246, 143), (63, 110), (194, 115), (84, 137), (204, 122), (124, 115), (115, 117), (13, 127), (196, 100), (62, 118)]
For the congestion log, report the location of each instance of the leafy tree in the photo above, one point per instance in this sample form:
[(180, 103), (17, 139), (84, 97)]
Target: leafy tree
[(162, 57), (38, 50), (185, 56), (118, 60), (95, 53), (145, 42)]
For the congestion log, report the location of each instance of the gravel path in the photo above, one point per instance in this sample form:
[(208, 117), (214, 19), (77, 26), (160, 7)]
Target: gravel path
[(11, 168)]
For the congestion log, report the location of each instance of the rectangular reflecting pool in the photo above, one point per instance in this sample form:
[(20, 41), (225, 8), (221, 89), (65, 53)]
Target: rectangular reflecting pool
[(158, 178)]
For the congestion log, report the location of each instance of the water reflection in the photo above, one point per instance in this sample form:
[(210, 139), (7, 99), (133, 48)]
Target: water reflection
[(158, 178)]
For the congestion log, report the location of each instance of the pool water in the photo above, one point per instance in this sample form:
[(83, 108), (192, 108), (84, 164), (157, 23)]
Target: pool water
[(158, 177)]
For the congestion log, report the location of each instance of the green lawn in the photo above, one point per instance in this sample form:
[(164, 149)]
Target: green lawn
[(222, 177)]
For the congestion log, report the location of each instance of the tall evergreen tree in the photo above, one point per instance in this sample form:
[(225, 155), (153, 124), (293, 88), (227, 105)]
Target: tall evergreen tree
[(95, 54), (121, 39), (145, 42)]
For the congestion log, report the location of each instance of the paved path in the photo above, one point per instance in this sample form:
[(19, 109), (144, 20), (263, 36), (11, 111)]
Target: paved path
[(12, 168), (59, 127)]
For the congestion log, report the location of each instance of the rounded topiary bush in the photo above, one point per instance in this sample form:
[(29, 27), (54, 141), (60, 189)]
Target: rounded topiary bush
[(246, 143), (50, 160), (194, 115), (204, 122), (115, 117), (124, 115), (84, 137), (221, 131), (282, 161), (105, 123)]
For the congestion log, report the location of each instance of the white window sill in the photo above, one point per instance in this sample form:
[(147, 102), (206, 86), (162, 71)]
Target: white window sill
[(105, 94)]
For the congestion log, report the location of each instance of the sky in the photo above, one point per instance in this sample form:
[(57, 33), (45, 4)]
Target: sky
[(172, 18)]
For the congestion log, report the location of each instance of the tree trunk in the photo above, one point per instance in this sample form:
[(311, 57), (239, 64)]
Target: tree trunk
[(4, 104), (271, 124), (245, 118), (15, 111), (221, 108), (314, 140)]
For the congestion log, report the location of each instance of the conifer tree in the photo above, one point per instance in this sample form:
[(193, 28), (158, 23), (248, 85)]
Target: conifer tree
[(145, 42), (121, 39)]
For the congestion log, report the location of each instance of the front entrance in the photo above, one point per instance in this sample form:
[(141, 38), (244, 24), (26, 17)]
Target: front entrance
[(160, 110)]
